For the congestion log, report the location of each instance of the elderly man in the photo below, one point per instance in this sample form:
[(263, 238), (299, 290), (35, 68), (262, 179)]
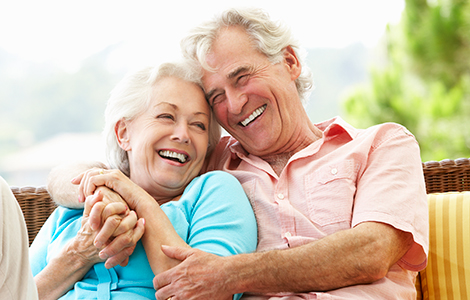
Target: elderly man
[(341, 212)]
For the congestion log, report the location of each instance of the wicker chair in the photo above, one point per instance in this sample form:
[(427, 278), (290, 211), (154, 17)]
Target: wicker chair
[(36, 204), (441, 177)]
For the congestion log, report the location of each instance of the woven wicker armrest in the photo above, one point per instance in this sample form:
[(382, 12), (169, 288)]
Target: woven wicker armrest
[(36, 204), (447, 175)]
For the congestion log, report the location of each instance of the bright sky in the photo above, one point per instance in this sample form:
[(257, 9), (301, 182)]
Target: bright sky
[(65, 32)]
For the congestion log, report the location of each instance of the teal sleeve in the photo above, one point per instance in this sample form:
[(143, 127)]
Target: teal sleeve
[(222, 221)]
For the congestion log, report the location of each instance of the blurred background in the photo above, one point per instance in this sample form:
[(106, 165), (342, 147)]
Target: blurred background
[(373, 61)]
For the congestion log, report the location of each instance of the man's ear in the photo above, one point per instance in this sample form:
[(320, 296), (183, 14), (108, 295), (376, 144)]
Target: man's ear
[(292, 62), (122, 135)]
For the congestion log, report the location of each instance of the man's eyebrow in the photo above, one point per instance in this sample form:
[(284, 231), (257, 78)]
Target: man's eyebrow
[(237, 71), (231, 75)]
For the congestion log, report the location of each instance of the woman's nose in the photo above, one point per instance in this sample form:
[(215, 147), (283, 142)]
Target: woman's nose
[(181, 134)]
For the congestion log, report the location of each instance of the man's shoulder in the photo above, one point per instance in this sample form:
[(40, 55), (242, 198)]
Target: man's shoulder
[(388, 130)]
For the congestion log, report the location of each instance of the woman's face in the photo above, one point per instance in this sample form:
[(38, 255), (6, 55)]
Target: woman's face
[(167, 143)]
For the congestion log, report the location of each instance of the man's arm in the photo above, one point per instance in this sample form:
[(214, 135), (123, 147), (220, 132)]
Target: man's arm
[(59, 185), (360, 255)]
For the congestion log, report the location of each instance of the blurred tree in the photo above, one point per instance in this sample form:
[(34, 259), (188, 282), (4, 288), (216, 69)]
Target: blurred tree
[(425, 84)]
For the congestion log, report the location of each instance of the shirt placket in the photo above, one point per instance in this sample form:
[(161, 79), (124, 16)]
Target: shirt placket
[(286, 213), (107, 281)]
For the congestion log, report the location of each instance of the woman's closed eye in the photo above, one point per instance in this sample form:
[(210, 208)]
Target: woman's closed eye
[(200, 125), (166, 116)]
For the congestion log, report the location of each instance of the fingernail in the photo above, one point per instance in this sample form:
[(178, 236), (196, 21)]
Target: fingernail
[(103, 255)]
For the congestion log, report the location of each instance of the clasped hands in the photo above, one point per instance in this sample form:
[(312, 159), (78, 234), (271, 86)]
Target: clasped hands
[(115, 227)]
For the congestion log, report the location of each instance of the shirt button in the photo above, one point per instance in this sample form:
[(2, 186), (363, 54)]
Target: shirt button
[(334, 171), (280, 196), (288, 234)]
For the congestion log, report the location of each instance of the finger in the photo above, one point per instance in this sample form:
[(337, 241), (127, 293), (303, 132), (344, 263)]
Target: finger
[(128, 222), (106, 232), (87, 185), (160, 283), (124, 262), (122, 258), (81, 188), (123, 241), (90, 201), (114, 226), (95, 215), (116, 208), (179, 253), (76, 180)]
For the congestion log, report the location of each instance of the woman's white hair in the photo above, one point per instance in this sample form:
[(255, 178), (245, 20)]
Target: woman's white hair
[(269, 37), (132, 96)]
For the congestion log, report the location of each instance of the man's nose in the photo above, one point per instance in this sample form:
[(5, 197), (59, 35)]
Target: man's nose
[(235, 101)]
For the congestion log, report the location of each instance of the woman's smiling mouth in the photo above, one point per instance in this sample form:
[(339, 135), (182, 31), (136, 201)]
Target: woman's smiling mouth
[(253, 116), (173, 156)]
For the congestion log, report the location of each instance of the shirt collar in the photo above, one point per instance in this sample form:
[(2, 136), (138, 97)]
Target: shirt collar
[(336, 126)]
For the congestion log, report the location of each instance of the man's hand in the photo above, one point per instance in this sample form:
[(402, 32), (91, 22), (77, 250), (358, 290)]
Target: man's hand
[(189, 280)]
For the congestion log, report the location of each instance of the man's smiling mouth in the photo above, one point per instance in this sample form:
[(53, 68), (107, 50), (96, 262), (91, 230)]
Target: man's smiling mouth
[(173, 156), (253, 116)]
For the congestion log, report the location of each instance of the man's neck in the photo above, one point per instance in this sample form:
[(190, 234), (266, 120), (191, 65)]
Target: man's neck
[(278, 161)]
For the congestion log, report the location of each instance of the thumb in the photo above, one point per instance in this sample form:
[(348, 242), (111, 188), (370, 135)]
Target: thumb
[(179, 253)]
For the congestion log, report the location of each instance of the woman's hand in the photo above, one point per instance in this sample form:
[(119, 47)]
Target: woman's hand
[(114, 179), (82, 247), (118, 229), (72, 263)]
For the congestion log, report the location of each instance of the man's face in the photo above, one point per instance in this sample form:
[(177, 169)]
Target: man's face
[(254, 100)]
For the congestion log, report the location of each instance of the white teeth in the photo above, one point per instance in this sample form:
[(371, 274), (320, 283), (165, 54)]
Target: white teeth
[(171, 154), (253, 116)]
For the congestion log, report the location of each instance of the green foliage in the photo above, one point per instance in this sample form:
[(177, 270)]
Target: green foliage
[(426, 84)]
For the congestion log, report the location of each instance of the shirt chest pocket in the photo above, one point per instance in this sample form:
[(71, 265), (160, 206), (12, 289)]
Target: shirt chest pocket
[(330, 193)]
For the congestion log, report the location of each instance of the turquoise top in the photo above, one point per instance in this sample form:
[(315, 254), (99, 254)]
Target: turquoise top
[(213, 215)]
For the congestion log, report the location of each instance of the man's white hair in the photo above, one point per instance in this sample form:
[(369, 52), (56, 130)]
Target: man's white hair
[(269, 37)]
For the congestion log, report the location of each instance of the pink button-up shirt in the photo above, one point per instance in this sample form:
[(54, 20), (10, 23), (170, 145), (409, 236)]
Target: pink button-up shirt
[(347, 177)]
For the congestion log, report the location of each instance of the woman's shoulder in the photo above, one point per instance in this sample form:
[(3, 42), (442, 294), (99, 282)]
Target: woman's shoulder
[(212, 175), (216, 178), (213, 184)]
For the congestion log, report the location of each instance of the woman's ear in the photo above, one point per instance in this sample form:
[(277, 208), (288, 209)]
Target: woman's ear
[(292, 62), (122, 135)]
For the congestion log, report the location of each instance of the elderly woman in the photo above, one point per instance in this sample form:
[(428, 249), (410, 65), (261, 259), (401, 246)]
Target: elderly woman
[(159, 129)]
